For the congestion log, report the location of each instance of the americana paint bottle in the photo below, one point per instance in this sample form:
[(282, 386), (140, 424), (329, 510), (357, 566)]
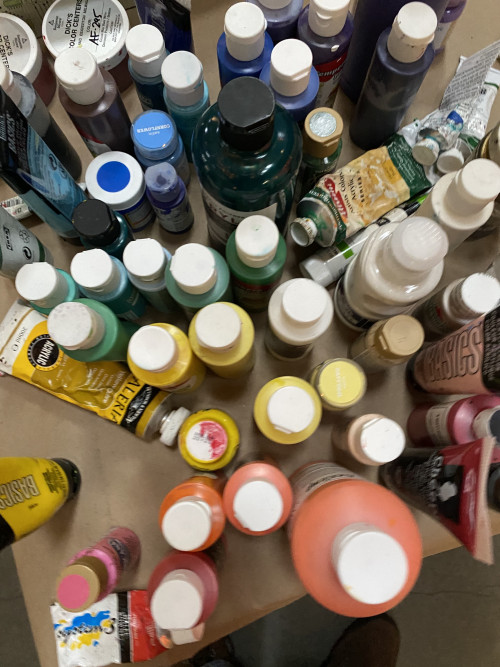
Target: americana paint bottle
[(340, 383), (146, 50), (209, 439), (146, 261), (371, 439), (45, 287)]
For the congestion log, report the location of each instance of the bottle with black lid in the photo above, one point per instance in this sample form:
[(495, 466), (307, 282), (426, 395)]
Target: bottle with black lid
[(100, 227)]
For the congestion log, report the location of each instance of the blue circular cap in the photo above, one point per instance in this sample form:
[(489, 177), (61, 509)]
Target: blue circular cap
[(154, 134), (113, 176)]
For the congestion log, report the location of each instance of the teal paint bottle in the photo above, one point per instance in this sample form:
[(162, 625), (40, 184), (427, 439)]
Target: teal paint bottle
[(100, 227), (45, 287)]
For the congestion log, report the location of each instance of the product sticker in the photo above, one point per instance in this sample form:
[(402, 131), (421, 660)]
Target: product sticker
[(255, 297), (345, 312), (140, 215), (440, 34), (18, 246), (206, 441), (436, 423), (432, 316), (329, 78), (175, 220), (15, 46)]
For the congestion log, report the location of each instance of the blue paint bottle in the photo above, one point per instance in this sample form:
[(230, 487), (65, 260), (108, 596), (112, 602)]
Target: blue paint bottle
[(169, 199), (172, 18), (100, 227), (45, 287), (146, 53), (281, 17)]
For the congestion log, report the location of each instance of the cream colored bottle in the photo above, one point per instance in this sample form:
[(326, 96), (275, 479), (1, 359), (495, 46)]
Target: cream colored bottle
[(371, 439)]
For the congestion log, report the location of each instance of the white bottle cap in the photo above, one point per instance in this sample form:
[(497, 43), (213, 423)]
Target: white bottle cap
[(258, 505), (290, 409), (146, 49), (475, 295), (413, 29), (41, 284), (275, 4), (382, 440), (171, 425), (426, 151), (177, 603), (193, 268), (245, 27), (450, 160), (217, 327), (153, 349), (188, 636), (304, 302), (95, 270), (473, 187), (78, 73), (182, 74), (291, 62), (145, 259), (418, 244), (327, 17), (487, 423), (370, 564), (256, 240), (75, 326), (187, 524), (9, 84)]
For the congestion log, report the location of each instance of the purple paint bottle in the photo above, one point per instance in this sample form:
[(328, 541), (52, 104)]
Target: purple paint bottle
[(281, 17), (452, 13), (168, 197)]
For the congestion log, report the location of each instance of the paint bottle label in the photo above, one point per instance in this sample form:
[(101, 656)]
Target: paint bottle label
[(436, 423), (432, 316), (440, 34), (251, 296), (206, 441), (95, 146), (176, 220), (18, 246), (281, 350), (140, 215), (329, 77), (345, 312)]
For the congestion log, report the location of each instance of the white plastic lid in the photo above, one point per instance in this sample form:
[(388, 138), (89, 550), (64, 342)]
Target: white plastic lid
[(24, 54), (78, 73), (291, 62), (217, 327), (95, 270), (75, 326), (450, 160), (413, 29), (327, 17), (146, 49), (370, 564), (145, 259), (177, 603), (256, 239), (483, 421), (153, 349), (9, 84), (171, 425), (41, 284), (475, 295), (187, 524), (275, 4), (304, 302), (193, 268), (245, 27), (426, 151), (418, 244), (290, 409), (258, 505), (382, 440), (182, 74), (117, 179), (474, 186)]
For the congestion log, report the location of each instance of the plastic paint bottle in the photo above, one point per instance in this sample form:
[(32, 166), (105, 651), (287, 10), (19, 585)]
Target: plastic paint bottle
[(244, 47), (291, 77), (287, 410), (146, 261), (355, 546), (172, 18), (489, 148), (160, 355), (146, 51), (100, 227), (281, 17), (117, 179), (258, 498), (340, 383), (300, 311), (45, 287), (18, 246), (186, 93), (104, 278), (94, 573), (256, 256), (197, 276), (451, 14), (191, 515), (493, 488), (209, 439), (371, 439), (169, 199), (222, 336)]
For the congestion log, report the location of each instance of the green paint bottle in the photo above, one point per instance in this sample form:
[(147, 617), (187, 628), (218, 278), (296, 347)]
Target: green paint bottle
[(45, 287)]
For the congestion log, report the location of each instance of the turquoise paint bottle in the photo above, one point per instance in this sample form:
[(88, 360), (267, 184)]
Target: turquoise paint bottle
[(146, 53), (100, 227), (45, 287), (146, 261)]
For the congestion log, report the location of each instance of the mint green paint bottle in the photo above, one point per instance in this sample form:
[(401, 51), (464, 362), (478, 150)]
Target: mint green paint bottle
[(45, 287)]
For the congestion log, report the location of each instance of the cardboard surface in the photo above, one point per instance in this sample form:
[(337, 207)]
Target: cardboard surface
[(125, 479)]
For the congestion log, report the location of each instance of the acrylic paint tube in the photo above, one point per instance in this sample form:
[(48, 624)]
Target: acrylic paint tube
[(449, 484), (18, 246)]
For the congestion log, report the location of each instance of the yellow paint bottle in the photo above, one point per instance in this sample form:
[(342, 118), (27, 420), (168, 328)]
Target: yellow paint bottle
[(287, 410), (222, 335), (209, 439), (160, 355), (340, 383)]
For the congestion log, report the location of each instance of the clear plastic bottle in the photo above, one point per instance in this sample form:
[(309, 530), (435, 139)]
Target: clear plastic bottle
[(281, 17), (146, 51)]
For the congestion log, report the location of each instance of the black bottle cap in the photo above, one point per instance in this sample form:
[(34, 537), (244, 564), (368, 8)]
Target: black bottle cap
[(96, 222), (73, 475), (246, 112)]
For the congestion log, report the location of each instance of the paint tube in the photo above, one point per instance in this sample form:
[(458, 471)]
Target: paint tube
[(449, 484), (477, 121)]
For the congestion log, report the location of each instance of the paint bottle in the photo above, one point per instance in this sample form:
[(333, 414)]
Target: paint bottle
[(186, 93), (371, 439), (172, 18), (156, 140), (299, 312), (256, 256), (464, 200), (222, 336), (321, 147), (146, 51), (399, 264), (355, 546), (146, 261), (340, 383), (403, 54), (447, 22), (160, 355), (326, 27), (100, 227), (244, 47), (94, 573), (169, 199), (45, 287), (291, 77), (281, 17), (104, 278), (258, 498), (197, 276), (247, 158), (209, 439), (191, 515), (287, 410), (18, 246), (117, 179), (493, 487), (46, 484), (489, 148)]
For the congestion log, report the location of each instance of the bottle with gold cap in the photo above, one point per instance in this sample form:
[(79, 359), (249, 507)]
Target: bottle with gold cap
[(340, 383)]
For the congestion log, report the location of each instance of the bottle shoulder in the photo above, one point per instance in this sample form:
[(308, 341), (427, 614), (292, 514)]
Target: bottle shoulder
[(108, 99), (325, 48), (382, 60)]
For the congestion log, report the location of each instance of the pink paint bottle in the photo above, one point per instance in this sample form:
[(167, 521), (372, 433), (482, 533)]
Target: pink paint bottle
[(93, 573)]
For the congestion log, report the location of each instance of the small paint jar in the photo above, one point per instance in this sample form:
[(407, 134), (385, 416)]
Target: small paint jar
[(258, 498), (94, 573), (169, 199), (371, 439), (191, 515), (222, 335), (160, 355), (45, 287), (145, 261), (209, 439), (287, 410), (340, 383), (117, 179), (100, 227)]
